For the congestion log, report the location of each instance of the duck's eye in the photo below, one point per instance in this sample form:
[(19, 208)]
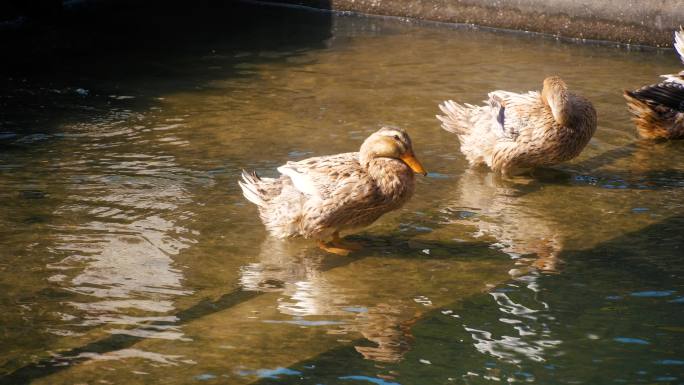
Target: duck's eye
[(396, 137)]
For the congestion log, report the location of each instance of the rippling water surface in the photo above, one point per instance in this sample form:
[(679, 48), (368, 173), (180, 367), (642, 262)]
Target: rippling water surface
[(129, 256)]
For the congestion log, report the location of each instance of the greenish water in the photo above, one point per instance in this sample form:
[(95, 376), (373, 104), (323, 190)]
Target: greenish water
[(129, 256)]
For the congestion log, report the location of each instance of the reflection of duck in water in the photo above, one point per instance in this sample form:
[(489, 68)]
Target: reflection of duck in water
[(319, 197), (658, 109), (514, 221), (385, 326), (279, 263), (518, 131), (288, 268)]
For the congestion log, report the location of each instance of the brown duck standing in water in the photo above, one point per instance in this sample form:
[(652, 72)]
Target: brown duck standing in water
[(514, 132), (319, 197), (658, 109)]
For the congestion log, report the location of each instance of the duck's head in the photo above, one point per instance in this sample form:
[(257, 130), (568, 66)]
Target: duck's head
[(392, 143), (555, 95)]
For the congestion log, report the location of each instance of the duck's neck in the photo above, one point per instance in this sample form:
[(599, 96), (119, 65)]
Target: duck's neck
[(394, 178), (555, 95)]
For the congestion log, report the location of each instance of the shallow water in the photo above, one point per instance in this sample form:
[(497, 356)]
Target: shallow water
[(129, 255)]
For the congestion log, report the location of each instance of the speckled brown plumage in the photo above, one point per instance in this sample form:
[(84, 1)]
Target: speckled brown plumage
[(514, 131), (658, 109), (318, 197)]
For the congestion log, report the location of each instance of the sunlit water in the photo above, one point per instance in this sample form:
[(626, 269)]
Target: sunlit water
[(129, 256)]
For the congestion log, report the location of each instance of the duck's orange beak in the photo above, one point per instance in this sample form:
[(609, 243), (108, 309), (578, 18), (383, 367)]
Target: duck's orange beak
[(410, 159)]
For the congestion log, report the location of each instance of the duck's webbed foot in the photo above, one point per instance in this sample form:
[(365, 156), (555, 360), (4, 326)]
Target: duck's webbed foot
[(334, 249), (339, 246)]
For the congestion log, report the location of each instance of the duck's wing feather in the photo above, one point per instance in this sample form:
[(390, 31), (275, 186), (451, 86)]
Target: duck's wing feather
[(497, 109), (667, 94), (512, 112), (325, 176)]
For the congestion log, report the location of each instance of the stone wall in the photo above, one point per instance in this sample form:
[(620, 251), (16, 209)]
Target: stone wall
[(643, 22)]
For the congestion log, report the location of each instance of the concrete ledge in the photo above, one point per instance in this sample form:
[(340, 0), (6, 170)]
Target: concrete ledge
[(642, 22)]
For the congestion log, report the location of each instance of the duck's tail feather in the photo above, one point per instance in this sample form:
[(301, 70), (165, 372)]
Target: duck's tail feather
[(250, 188), (456, 117)]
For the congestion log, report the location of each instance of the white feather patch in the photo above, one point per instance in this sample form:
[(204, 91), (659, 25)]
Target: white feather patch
[(679, 43), (674, 78), (301, 181)]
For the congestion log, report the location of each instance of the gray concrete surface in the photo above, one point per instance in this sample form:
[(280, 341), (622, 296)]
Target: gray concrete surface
[(643, 22)]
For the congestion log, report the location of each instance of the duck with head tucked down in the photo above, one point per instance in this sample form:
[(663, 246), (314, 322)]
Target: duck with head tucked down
[(513, 132), (658, 109), (321, 196)]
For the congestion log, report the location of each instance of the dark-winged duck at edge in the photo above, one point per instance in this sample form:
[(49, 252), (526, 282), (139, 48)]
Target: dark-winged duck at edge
[(321, 196), (513, 132), (658, 109)]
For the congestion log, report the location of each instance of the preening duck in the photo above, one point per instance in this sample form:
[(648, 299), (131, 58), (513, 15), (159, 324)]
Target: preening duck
[(513, 132)]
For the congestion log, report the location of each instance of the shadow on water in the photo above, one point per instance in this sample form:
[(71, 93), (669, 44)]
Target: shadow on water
[(86, 59), (534, 311), (649, 165)]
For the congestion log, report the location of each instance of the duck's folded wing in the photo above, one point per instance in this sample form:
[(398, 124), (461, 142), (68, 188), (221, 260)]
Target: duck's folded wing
[(326, 176), (666, 94)]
